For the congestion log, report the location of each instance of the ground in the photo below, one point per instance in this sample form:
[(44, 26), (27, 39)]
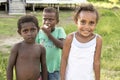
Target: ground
[(7, 43)]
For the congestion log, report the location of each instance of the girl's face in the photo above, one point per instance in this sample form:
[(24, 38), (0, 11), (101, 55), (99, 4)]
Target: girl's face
[(49, 19), (28, 32), (86, 23)]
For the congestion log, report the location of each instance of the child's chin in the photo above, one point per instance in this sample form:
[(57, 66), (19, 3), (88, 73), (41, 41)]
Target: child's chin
[(30, 41)]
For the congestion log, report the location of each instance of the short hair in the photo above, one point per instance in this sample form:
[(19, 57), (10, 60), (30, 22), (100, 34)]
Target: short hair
[(52, 10), (27, 18), (85, 7)]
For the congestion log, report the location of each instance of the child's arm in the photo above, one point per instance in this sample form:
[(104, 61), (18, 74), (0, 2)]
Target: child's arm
[(65, 54), (43, 63), (11, 63), (97, 58), (58, 42)]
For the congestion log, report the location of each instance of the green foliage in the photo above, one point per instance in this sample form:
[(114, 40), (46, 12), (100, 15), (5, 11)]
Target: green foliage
[(3, 66), (114, 1), (97, 0)]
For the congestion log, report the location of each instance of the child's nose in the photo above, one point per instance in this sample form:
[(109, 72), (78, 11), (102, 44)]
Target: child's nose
[(29, 33), (47, 21), (86, 26)]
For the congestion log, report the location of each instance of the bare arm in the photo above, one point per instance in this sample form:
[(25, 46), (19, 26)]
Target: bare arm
[(11, 63), (43, 63), (97, 58), (58, 42), (65, 54)]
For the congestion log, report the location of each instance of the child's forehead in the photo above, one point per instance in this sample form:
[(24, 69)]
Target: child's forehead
[(87, 14), (28, 24), (49, 14)]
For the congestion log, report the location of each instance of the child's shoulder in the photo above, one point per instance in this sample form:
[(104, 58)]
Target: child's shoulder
[(16, 46), (70, 36), (98, 36), (41, 46)]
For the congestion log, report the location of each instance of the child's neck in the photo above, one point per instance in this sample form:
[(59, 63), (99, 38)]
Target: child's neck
[(28, 43), (84, 39)]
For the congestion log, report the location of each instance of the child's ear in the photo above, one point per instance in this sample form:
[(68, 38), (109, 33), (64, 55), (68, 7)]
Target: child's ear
[(75, 22), (19, 32)]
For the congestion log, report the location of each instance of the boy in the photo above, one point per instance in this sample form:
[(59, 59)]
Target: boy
[(52, 37), (27, 56)]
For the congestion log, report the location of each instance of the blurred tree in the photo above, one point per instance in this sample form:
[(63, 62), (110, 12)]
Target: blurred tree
[(97, 0), (114, 1)]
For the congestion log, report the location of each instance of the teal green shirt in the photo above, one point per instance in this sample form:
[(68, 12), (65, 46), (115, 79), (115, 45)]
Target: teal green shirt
[(53, 53)]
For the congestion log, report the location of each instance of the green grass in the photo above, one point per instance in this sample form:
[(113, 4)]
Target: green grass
[(3, 66), (108, 27), (7, 26)]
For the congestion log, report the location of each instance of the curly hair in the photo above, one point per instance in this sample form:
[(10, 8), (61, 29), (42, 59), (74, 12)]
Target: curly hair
[(52, 10), (27, 18), (85, 7)]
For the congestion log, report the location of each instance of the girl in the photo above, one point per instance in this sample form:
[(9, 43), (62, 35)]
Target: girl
[(82, 49)]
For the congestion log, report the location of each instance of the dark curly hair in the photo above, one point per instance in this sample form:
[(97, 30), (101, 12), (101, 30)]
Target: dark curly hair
[(27, 18), (52, 10), (85, 7)]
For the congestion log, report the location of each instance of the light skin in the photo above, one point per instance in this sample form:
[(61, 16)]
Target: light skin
[(49, 19), (86, 24), (26, 56)]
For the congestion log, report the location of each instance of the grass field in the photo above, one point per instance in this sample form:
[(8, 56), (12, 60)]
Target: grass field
[(108, 27)]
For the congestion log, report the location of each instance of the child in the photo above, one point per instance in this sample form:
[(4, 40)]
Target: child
[(52, 37), (82, 48), (27, 55)]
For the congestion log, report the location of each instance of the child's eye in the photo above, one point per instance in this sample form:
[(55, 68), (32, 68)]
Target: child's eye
[(51, 19), (92, 23), (25, 31), (44, 19), (33, 29), (82, 22)]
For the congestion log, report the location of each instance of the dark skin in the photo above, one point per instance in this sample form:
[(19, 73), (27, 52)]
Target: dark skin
[(27, 56), (49, 19)]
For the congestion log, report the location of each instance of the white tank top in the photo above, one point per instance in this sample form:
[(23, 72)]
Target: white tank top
[(80, 60)]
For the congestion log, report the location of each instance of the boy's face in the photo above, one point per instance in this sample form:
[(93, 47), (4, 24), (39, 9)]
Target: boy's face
[(86, 23), (28, 32), (49, 19)]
